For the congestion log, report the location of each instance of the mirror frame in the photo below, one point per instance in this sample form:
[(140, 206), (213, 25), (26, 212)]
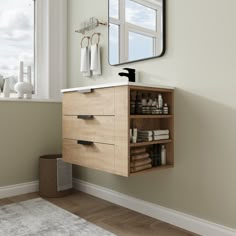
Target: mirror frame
[(144, 59)]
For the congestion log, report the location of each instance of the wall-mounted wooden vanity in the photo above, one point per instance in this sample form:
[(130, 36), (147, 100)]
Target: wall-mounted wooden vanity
[(97, 122)]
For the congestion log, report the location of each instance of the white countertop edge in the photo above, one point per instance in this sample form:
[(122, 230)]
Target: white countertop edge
[(116, 85), (30, 100)]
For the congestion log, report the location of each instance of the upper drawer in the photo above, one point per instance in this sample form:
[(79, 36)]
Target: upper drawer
[(98, 129), (97, 102)]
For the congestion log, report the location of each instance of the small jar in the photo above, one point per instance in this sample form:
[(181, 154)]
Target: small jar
[(165, 109), (154, 106)]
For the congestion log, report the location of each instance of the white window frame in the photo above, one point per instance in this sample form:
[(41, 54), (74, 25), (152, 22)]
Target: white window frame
[(126, 27), (50, 48)]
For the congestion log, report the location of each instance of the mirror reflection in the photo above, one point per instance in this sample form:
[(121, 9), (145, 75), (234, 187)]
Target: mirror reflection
[(135, 30)]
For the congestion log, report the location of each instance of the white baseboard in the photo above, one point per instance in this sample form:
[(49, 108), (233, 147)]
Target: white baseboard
[(18, 189), (179, 219)]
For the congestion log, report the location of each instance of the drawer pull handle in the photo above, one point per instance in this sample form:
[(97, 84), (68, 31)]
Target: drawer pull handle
[(85, 117), (85, 91), (82, 142)]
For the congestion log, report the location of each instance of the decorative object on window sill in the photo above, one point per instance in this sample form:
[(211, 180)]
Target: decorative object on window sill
[(91, 24), (24, 88), (95, 56), (6, 88)]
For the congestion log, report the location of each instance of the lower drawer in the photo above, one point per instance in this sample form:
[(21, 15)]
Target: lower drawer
[(97, 156)]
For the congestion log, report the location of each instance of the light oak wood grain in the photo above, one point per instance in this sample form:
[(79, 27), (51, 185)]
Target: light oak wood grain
[(122, 130), (98, 102), (99, 129), (97, 156), (111, 124)]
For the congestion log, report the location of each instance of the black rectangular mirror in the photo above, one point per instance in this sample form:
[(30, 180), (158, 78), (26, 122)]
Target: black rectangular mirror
[(136, 30)]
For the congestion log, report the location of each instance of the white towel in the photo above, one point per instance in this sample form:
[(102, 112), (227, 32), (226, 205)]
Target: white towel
[(64, 175), (95, 60), (161, 137), (85, 61), (161, 132)]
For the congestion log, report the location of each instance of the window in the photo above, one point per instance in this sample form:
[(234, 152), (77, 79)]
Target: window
[(114, 45), (134, 23), (16, 38), (35, 31), (135, 51)]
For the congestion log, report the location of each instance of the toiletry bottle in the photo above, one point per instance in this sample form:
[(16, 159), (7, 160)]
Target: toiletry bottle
[(150, 100), (144, 100), (165, 109), (138, 104), (149, 104), (144, 103), (163, 155), (157, 109), (132, 104), (154, 106), (160, 103)]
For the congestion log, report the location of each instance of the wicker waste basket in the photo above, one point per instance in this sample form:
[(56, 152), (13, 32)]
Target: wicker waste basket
[(48, 177)]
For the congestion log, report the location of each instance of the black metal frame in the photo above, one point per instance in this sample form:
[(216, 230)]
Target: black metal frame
[(148, 58)]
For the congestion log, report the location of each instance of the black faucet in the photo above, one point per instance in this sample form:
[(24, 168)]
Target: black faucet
[(130, 74)]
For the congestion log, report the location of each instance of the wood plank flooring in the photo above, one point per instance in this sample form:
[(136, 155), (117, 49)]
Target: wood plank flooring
[(116, 219)]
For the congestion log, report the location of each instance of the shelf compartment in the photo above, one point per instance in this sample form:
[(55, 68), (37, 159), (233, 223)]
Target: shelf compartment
[(152, 169), (151, 116), (150, 143)]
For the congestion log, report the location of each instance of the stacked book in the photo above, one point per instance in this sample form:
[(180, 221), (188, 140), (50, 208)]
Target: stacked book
[(153, 135), (140, 160)]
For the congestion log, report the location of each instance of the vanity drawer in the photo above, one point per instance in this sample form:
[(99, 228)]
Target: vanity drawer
[(96, 128), (96, 102), (97, 156)]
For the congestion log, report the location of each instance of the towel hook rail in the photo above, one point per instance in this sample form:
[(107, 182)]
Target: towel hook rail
[(82, 40), (98, 34)]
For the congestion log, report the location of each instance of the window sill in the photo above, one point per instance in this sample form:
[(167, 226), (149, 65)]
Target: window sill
[(30, 100)]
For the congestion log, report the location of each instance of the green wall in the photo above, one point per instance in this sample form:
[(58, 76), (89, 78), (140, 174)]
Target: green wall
[(27, 131), (200, 62)]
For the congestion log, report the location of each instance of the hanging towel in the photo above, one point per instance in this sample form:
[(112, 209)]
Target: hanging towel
[(95, 59), (85, 62), (64, 175)]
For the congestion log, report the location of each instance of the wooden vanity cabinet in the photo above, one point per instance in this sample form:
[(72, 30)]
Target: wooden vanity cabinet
[(96, 126)]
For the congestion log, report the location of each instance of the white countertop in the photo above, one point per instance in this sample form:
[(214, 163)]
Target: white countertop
[(115, 85)]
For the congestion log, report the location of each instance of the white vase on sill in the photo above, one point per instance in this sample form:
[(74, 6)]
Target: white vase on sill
[(6, 88), (24, 88)]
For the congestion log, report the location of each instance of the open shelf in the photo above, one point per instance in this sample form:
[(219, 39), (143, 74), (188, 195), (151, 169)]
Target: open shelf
[(150, 143), (152, 169), (151, 116)]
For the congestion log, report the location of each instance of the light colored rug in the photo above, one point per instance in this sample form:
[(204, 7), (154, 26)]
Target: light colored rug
[(38, 217)]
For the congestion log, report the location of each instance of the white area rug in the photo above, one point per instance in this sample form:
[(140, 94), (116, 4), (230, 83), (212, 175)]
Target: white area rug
[(38, 217)]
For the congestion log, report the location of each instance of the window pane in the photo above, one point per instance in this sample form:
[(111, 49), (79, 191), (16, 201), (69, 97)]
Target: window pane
[(135, 51), (16, 37), (114, 8), (140, 15), (114, 44)]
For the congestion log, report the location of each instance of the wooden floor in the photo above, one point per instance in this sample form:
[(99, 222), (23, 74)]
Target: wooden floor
[(116, 219)]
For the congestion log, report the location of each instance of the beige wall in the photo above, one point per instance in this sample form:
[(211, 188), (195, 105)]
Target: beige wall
[(201, 61), (27, 131)]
